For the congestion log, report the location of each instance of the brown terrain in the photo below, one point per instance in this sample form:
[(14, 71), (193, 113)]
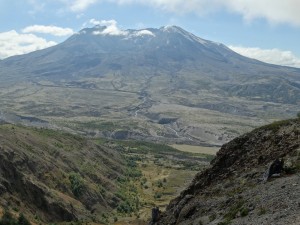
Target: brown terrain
[(55, 177), (232, 190), (52, 176)]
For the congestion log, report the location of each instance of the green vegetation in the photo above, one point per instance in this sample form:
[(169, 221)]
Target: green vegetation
[(129, 176), (77, 185), (212, 217), (159, 184), (99, 125), (233, 211), (262, 211), (157, 195), (138, 150), (8, 219), (147, 147), (128, 193), (154, 174), (132, 171), (244, 212), (224, 223), (277, 124)]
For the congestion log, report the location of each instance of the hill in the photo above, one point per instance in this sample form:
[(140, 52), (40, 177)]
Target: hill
[(233, 189), (161, 84), (52, 176)]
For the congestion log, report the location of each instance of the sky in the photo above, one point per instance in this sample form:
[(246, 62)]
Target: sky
[(268, 30)]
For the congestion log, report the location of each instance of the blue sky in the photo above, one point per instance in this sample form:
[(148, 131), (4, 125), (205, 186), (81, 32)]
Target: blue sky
[(268, 30)]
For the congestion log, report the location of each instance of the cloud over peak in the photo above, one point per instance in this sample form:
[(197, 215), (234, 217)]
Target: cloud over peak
[(111, 27)]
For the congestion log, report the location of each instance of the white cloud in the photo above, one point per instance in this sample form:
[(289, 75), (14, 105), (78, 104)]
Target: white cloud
[(81, 5), (13, 43), (37, 6), (144, 32), (56, 31), (103, 22), (111, 27), (275, 11), (274, 56)]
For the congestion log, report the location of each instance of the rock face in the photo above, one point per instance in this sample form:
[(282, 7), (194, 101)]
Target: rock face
[(232, 191), (55, 176)]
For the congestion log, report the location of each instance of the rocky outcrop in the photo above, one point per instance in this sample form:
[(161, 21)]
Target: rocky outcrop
[(232, 190)]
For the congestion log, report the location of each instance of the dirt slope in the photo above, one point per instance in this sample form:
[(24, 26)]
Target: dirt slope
[(232, 190)]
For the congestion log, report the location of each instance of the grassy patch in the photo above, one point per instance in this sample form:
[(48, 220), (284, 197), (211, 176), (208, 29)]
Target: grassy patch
[(233, 211), (277, 124), (262, 211)]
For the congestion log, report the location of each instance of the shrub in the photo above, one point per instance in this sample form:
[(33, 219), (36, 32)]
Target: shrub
[(159, 184), (212, 217), (77, 185), (8, 219), (262, 211), (22, 220), (157, 195), (124, 207), (244, 212), (231, 214)]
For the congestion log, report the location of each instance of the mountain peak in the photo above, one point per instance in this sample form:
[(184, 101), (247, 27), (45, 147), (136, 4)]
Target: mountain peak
[(184, 33), (115, 31), (150, 32)]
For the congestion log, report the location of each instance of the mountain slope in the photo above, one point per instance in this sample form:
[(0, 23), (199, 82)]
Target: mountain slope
[(57, 176), (168, 49), (207, 93), (232, 191)]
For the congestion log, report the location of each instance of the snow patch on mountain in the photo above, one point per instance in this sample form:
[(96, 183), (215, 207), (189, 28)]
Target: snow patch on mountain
[(111, 30), (187, 35), (143, 33)]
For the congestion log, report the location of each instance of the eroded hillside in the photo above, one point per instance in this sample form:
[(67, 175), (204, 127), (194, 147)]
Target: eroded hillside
[(233, 191), (55, 176)]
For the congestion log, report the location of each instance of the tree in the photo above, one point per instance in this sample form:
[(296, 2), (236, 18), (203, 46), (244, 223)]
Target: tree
[(77, 185), (7, 219), (22, 220)]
